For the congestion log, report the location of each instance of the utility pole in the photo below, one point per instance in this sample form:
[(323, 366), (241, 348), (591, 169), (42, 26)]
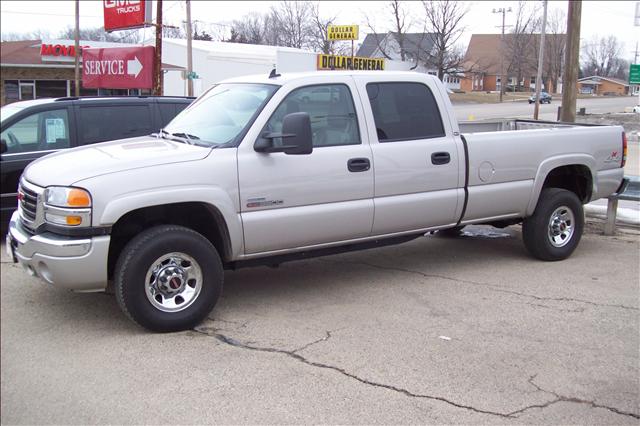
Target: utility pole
[(189, 52), (536, 110), (571, 60), (503, 11), (77, 49), (157, 67)]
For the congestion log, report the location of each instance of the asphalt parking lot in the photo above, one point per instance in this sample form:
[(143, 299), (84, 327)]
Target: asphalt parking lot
[(438, 330)]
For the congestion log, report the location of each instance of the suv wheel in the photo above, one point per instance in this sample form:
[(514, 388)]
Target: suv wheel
[(168, 278)]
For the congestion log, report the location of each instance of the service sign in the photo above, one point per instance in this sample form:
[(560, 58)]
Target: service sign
[(126, 14), (343, 32), (333, 62), (118, 67)]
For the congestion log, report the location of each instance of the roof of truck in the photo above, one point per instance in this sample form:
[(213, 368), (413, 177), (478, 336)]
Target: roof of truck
[(288, 77)]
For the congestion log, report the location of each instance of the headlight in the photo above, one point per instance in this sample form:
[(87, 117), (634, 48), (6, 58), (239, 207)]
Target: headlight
[(61, 196), (67, 206)]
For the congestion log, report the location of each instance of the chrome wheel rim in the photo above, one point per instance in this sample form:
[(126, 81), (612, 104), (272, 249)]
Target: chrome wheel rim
[(561, 226), (173, 282)]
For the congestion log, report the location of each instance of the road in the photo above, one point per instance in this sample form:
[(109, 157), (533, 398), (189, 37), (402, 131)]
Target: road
[(522, 109), (458, 331)]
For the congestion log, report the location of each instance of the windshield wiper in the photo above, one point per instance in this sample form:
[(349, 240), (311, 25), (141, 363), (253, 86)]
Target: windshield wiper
[(177, 136)]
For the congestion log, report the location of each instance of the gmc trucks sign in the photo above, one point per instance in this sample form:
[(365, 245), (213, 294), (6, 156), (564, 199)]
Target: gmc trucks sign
[(126, 14), (118, 67)]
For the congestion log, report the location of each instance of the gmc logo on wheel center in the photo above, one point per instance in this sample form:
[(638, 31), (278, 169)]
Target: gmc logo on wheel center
[(123, 6)]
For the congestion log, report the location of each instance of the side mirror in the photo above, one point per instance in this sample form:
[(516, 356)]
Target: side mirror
[(3, 146), (296, 136)]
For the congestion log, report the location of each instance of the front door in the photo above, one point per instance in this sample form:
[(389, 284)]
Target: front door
[(296, 201)]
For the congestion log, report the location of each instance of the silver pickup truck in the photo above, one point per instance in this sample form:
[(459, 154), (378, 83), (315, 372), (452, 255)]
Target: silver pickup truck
[(261, 170)]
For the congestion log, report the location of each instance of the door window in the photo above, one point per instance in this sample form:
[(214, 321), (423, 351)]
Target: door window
[(331, 110), (106, 123), (404, 111), (42, 131)]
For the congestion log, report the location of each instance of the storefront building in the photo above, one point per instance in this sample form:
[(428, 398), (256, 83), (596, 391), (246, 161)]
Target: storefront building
[(33, 69)]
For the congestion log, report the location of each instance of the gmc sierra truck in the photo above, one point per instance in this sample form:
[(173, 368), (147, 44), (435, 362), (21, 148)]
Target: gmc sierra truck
[(262, 170)]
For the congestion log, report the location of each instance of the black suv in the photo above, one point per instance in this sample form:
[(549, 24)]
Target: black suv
[(31, 129)]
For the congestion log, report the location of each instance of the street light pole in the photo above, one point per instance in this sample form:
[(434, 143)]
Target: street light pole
[(503, 11), (540, 62), (76, 37), (189, 52)]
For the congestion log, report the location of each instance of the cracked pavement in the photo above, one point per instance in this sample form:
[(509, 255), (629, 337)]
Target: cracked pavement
[(438, 330)]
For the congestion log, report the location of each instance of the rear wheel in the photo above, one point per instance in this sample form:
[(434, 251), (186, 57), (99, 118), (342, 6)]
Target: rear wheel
[(555, 228), (168, 278)]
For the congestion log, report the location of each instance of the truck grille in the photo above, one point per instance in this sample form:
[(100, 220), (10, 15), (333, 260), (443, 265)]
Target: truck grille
[(28, 205)]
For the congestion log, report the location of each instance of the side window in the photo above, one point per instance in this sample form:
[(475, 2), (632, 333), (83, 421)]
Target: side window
[(167, 112), (404, 111), (111, 122), (332, 113), (38, 132)]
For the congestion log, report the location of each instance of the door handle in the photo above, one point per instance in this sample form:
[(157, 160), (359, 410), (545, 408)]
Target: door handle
[(439, 158), (358, 165)]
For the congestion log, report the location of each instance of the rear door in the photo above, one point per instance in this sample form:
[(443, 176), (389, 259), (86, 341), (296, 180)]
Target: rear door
[(295, 201), (106, 121), (419, 168)]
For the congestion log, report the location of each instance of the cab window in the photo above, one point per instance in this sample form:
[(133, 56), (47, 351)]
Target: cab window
[(331, 110), (41, 131)]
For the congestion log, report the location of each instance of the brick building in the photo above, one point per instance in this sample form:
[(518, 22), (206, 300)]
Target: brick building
[(518, 55), (597, 85)]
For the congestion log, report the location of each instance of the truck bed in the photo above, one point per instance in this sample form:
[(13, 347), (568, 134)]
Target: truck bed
[(503, 125)]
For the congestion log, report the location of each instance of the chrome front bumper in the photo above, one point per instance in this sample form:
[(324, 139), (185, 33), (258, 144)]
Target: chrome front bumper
[(73, 263)]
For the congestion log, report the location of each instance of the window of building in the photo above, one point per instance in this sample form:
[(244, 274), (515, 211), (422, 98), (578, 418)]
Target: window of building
[(42, 131), (97, 122), (11, 91), (51, 88), (27, 90), (404, 111), (332, 113)]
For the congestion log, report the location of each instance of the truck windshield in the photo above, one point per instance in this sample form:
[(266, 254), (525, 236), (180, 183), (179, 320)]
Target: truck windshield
[(220, 115)]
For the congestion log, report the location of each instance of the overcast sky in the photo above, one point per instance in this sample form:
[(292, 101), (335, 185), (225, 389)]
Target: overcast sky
[(599, 18)]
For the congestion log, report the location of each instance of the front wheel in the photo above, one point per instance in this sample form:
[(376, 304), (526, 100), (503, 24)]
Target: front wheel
[(555, 228), (168, 278)]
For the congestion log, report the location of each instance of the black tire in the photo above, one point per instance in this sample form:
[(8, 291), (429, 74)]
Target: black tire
[(135, 263), (538, 232), (451, 232)]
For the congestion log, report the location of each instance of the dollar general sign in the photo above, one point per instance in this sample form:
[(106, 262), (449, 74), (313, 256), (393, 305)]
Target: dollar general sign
[(332, 62), (342, 32)]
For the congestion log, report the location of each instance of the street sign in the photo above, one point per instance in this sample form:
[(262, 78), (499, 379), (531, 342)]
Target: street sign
[(118, 67), (334, 62), (126, 14), (343, 32), (634, 74)]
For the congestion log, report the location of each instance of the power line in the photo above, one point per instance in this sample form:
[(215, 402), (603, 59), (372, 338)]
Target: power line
[(16, 12)]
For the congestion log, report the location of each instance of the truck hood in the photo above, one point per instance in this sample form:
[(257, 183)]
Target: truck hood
[(73, 165)]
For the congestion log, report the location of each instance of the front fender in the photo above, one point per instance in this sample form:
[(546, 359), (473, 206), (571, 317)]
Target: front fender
[(214, 196)]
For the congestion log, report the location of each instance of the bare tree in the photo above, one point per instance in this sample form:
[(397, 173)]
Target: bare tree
[(99, 34), (319, 38), (601, 56), (32, 35), (294, 23), (401, 26), (519, 45), (555, 42), (444, 25)]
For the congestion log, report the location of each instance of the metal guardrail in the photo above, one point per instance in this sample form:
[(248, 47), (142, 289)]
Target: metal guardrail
[(630, 191)]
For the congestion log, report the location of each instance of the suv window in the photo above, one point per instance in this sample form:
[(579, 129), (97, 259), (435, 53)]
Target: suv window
[(404, 111), (331, 110), (111, 122), (38, 132), (169, 110)]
